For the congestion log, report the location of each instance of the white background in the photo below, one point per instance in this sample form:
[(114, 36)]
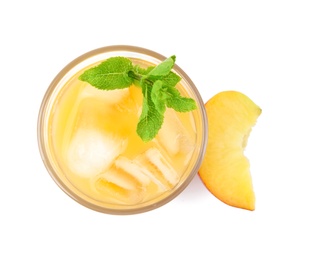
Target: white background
[(261, 48)]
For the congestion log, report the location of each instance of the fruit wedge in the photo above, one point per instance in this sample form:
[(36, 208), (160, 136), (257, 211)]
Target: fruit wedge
[(225, 170)]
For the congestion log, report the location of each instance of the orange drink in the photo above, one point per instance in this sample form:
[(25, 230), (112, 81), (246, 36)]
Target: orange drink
[(89, 144)]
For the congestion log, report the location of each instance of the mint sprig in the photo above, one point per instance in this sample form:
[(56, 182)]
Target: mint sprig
[(158, 85), (110, 74)]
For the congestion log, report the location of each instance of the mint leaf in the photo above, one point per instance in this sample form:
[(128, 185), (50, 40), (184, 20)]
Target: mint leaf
[(151, 119), (138, 74), (159, 96), (158, 85), (137, 69), (179, 103), (171, 79), (110, 74), (163, 68)]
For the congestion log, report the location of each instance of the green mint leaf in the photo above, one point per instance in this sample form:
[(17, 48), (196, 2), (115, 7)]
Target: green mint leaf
[(158, 85), (171, 79), (179, 103), (110, 74), (137, 69), (151, 119), (159, 96), (163, 68)]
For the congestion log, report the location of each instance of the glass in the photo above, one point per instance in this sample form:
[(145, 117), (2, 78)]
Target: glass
[(111, 178)]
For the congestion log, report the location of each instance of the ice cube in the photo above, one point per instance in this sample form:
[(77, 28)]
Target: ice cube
[(158, 169), (118, 185), (140, 170), (173, 136), (118, 178), (132, 168), (129, 180), (91, 152)]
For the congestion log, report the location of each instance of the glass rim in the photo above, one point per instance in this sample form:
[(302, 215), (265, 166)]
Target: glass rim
[(41, 134)]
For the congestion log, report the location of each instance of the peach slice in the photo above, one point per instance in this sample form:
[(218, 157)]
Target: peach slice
[(225, 170)]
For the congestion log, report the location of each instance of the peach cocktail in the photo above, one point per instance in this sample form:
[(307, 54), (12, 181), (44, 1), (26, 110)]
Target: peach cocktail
[(89, 143)]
